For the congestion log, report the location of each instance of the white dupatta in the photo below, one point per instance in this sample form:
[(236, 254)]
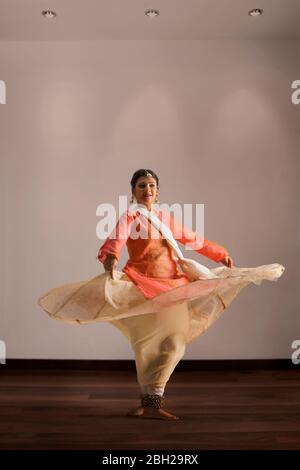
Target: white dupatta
[(191, 268)]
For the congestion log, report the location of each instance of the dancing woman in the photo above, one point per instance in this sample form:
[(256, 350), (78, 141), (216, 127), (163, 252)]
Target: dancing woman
[(161, 300)]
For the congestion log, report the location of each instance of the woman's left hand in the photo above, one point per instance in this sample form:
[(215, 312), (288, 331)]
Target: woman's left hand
[(227, 261)]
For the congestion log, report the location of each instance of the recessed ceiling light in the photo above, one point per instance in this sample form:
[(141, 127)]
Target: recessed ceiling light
[(48, 14), (255, 12), (151, 13)]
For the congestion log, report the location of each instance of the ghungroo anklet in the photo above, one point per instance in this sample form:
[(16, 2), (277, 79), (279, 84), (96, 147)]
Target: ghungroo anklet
[(153, 401)]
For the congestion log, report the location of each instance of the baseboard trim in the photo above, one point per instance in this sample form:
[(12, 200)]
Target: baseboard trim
[(184, 365)]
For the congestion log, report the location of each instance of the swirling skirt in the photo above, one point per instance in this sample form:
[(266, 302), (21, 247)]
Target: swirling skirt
[(158, 328)]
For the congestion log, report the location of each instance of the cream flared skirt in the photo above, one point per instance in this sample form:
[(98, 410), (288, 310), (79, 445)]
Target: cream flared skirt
[(159, 328)]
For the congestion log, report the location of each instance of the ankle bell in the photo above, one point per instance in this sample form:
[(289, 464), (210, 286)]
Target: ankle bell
[(153, 401)]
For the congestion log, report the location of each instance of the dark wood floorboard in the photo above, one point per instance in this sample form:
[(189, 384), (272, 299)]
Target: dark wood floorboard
[(86, 410)]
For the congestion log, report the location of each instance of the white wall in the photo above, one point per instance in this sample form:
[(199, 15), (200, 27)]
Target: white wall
[(213, 118)]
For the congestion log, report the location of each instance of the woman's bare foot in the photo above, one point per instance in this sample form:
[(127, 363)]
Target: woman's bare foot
[(149, 412), (159, 413)]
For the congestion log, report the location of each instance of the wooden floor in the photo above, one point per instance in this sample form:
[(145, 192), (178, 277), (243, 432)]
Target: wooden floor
[(80, 409)]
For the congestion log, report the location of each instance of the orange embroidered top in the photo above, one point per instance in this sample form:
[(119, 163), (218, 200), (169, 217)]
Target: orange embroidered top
[(151, 264)]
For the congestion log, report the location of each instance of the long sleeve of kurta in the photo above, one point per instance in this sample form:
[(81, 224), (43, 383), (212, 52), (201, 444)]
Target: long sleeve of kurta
[(199, 244), (117, 239)]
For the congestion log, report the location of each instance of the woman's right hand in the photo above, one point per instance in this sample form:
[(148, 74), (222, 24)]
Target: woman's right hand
[(110, 263)]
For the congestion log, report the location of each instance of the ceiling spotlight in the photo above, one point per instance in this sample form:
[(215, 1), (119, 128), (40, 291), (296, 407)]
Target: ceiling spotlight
[(151, 13), (48, 14), (255, 12)]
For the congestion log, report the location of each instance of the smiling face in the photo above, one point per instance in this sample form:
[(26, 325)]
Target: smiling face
[(145, 191)]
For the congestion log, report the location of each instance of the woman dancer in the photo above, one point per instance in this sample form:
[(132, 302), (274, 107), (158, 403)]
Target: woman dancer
[(159, 307)]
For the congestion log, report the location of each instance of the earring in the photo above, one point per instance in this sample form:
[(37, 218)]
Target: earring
[(132, 199), (156, 200)]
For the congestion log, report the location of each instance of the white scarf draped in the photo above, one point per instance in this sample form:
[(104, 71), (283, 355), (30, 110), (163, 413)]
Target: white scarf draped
[(191, 268)]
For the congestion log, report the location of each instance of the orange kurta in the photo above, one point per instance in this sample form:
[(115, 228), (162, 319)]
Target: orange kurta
[(151, 264)]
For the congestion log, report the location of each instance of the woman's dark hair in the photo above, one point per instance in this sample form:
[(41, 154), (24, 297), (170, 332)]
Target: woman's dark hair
[(140, 173)]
